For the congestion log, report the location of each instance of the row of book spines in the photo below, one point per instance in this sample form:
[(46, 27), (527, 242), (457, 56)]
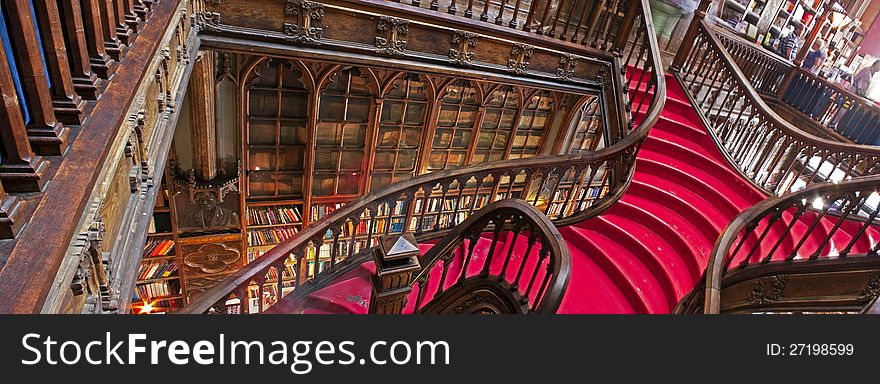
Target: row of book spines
[(160, 306), (157, 289), (321, 210), (449, 203), (150, 271), (287, 274), (273, 216), (154, 248), (270, 236), (363, 228)]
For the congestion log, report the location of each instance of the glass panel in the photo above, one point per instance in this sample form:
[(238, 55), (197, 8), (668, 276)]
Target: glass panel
[(348, 183), (290, 159), (261, 183), (437, 160), (293, 132), (261, 132), (263, 103), (289, 184), (388, 137), (384, 160), (392, 112), (351, 161), (332, 108), (294, 104), (358, 110), (380, 181), (261, 159), (354, 135), (406, 160), (328, 134), (415, 113), (412, 137), (326, 160), (442, 138), (322, 184)]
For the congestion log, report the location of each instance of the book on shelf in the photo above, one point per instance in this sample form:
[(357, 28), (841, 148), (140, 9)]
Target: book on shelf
[(158, 247), (321, 210), (149, 291), (269, 236), (287, 274), (157, 270), (273, 215)]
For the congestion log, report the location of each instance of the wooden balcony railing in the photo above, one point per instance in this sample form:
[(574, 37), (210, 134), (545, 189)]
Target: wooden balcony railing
[(565, 188), (773, 154), (90, 88), (761, 239), (817, 101)]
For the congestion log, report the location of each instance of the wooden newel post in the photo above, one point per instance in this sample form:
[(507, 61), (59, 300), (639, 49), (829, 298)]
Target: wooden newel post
[(397, 259), (688, 43)]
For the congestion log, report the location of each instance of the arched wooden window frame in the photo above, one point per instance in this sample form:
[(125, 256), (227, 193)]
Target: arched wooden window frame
[(528, 94), (372, 84), (442, 85), (491, 89), (431, 94), (573, 119), (248, 75)]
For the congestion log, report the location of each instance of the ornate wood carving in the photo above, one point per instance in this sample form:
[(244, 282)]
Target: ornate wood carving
[(768, 290), (208, 21), (212, 258), (394, 40), (872, 289), (463, 44), (520, 54), (304, 30), (567, 66)]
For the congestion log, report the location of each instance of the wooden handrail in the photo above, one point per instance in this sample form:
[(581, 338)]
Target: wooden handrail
[(580, 172), (513, 216), (767, 150), (850, 197)]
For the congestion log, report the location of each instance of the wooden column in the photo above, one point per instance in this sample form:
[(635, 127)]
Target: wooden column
[(100, 61), (204, 135), (67, 104), (85, 82), (123, 31), (20, 169), (47, 135), (11, 215), (131, 17), (112, 44)]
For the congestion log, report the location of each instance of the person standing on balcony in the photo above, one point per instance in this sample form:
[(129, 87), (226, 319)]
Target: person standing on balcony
[(862, 80), (666, 15), (788, 46), (816, 57)]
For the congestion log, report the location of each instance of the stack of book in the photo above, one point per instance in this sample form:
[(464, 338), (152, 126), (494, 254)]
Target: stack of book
[(273, 215), (158, 247), (149, 271)]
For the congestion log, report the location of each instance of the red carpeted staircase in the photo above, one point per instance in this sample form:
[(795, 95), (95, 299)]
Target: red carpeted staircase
[(644, 253)]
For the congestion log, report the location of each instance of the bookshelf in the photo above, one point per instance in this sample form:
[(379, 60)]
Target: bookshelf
[(159, 284), (267, 224)]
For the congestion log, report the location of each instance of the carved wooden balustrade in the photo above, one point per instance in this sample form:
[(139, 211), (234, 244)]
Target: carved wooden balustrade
[(769, 151), (565, 188), (780, 255), (749, 272), (531, 282), (813, 100), (85, 229)]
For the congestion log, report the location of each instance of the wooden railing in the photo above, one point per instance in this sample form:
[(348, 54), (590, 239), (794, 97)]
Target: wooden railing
[(817, 100), (593, 23), (566, 188), (756, 237), (766, 149), (129, 60), (532, 281)]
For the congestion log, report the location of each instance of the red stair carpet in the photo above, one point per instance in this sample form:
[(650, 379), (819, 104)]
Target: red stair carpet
[(644, 253)]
